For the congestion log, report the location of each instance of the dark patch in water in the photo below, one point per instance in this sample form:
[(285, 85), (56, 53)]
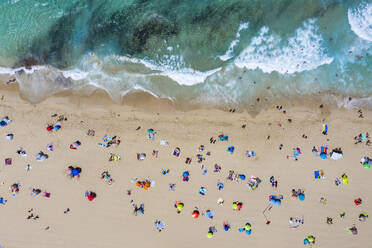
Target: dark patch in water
[(153, 26), (28, 61)]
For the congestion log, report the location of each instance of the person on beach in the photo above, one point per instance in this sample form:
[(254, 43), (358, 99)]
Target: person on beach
[(75, 145), (138, 210), (177, 152), (211, 231), (159, 225), (141, 156), (41, 156), (363, 217)]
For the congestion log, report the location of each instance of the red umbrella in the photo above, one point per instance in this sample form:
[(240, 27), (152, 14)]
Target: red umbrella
[(195, 214), (91, 197)]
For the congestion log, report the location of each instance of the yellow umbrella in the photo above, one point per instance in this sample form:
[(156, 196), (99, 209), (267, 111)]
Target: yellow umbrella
[(345, 180)]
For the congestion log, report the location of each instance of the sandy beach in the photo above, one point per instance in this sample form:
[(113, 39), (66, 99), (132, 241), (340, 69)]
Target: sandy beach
[(108, 220)]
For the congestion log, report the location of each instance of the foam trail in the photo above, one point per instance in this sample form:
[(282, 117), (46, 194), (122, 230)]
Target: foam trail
[(229, 53), (303, 51), (172, 66), (360, 20)]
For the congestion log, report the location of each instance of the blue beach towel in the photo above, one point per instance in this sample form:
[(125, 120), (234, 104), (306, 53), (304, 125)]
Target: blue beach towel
[(316, 175)]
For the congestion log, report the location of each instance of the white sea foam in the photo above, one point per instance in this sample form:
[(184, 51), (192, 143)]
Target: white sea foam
[(303, 51), (12, 71), (75, 74), (174, 67), (230, 51), (360, 20)]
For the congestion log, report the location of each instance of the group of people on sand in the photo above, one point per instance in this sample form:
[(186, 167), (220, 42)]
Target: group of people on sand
[(253, 182)]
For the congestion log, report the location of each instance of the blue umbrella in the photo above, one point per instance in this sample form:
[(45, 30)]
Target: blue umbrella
[(242, 177), (278, 202), (248, 232), (301, 197), (323, 155), (186, 174), (75, 172)]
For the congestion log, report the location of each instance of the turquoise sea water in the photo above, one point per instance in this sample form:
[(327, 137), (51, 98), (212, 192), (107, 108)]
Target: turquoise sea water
[(211, 51)]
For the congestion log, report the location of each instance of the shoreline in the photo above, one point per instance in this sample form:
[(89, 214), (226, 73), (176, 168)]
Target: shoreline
[(147, 102)]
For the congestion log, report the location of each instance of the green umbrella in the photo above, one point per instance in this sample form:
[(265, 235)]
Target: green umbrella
[(366, 165)]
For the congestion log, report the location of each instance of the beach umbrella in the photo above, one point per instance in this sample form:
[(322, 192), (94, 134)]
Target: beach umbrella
[(241, 229), (180, 206), (185, 174), (278, 202), (248, 226), (306, 242), (240, 205), (272, 201), (345, 179), (301, 197), (248, 232), (75, 172), (220, 185), (235, 206), (323, 155), (202, 191), (90, 197), (195, 214), (210, 235), (242, 177), (311, 239), (366, 165)]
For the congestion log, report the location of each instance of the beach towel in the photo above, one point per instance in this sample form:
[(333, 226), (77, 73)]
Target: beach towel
[(46, 194), (209, 214), (8, 161), (336, 155), (324, 129), (316, 175)]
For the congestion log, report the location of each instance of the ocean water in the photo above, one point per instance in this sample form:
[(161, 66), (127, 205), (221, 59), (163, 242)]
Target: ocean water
[(212, 52)]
